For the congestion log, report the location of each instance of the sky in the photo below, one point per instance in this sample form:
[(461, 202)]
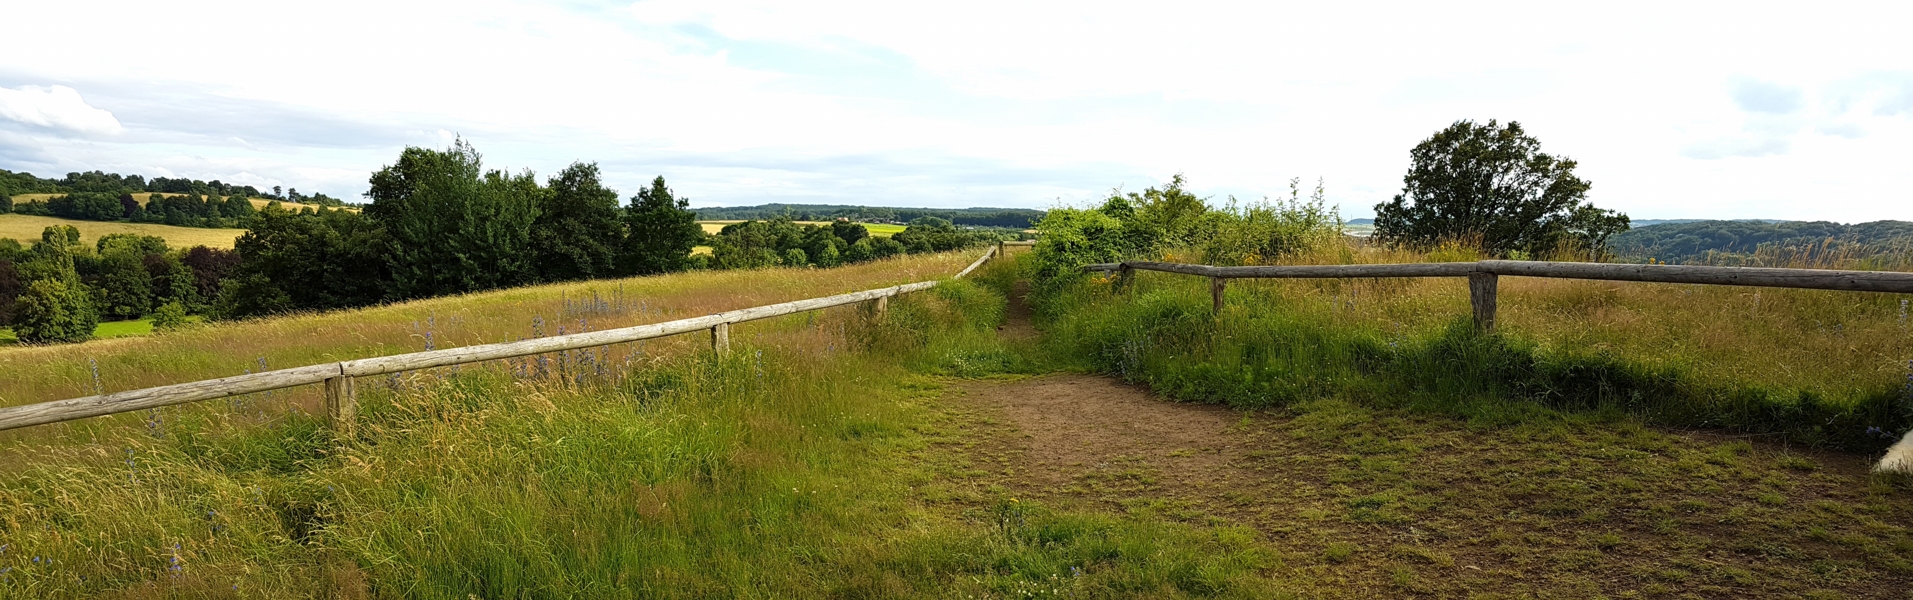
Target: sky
[(1672, 110)]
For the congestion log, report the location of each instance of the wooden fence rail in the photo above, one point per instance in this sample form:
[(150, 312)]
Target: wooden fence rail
[(1483, 276), (338, 377)]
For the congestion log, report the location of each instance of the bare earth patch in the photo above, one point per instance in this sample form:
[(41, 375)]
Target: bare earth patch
[(1363, 503)]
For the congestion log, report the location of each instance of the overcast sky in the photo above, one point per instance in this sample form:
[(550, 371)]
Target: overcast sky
[(1674, 110)]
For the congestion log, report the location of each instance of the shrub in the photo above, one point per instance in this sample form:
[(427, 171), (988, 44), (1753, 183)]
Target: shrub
[(54, 310), (169, 317)]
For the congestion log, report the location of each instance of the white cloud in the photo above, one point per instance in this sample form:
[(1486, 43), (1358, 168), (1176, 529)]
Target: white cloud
[(57, 107), (1764, 97), (1736, 147)]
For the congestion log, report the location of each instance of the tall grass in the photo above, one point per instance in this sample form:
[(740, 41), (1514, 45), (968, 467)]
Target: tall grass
[(787, 468), (1824, 368)]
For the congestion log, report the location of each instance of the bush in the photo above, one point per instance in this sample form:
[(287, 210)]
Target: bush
[(54, 310), (170, 316)]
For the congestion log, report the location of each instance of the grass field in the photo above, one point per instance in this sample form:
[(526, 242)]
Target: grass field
[(27, 228), (141, 197), (835, 455), (876, 229), (107, 330)]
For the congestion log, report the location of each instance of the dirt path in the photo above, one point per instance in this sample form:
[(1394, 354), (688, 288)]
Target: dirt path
[(1365, 503)]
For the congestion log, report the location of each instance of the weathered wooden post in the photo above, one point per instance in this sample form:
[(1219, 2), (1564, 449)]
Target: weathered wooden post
[(342, 405), (721, 338), (883, 305), (1216, 285), (1125, 276), (1481, 293)]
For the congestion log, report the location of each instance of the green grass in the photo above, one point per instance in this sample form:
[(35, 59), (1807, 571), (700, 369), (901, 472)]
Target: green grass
[(1822, 368), (788, 468), (107, 330)]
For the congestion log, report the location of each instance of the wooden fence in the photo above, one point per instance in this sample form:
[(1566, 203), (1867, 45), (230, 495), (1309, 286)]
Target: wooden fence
[(341, 399), (1483, 276)]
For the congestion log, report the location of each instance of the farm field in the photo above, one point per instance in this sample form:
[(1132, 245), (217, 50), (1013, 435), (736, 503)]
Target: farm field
[(876, 229), (27, 228), (963, 446), (141, 197), (109, 329)]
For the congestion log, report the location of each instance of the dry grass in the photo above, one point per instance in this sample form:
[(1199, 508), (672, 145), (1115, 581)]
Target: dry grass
[(38, 374), (27, 228)]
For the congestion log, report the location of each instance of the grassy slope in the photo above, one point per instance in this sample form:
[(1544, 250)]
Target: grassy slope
[(55, 372), (27, 229), (791, 468)]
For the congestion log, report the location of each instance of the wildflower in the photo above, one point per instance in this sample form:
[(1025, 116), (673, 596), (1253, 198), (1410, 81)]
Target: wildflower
[(99, 389)]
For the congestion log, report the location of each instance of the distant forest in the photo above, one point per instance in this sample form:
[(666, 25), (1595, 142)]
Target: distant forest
[(1020, 218), (1762, 242), (114, 184)]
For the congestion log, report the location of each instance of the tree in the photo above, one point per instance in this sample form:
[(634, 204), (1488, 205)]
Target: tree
[(660, 231), (451, 229), (11, 286), (1492, 183), (125, 289), (210, 268), (54, 310), (577, 233), (305, 260), (6, 204)]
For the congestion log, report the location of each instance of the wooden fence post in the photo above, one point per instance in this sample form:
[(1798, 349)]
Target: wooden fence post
[(1216, 285), (883, 304), (1481, 293), (342, 405), (1124, 276), (721, 338)]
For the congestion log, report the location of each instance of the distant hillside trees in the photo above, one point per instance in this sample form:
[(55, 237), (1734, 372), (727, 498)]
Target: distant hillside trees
[(1764, 243), (58, 289), (1492, 185), (186, 202), (1015, 218)]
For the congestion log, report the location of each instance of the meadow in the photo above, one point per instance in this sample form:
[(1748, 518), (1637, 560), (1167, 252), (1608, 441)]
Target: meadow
[(27, 229), (1823, 368), (797, 465)]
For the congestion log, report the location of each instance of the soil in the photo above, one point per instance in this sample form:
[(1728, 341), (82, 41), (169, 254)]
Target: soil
[(1461, 511)]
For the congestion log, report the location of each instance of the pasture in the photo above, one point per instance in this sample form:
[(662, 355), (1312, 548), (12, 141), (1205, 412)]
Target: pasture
[(967, 445), (27, 229)]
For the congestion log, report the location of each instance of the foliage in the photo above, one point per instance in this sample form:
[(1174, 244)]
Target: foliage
[(1493, 183), (210, 268), (11, 286), (453, 229), (304, 260), (6, 204), (577, 233), (170, 316), (1257, 232), (53, 310), (1757, 243), (1015, 218), (124, 289), (659, 232)]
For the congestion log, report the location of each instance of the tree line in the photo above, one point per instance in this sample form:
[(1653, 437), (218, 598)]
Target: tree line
[(438, 222), (1013, 218), (1738, 242), (100, 196)]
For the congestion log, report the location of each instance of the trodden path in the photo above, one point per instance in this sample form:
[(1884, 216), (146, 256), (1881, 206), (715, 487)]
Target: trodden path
[(1365, 503)]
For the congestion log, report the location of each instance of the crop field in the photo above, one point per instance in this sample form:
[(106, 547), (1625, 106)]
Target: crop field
[(876, 229), (141, 197), (27, 228), (1090, 442)]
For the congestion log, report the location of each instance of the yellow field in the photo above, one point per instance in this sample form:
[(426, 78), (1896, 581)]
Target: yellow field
[(876, 229), (27, 228), (141, 197)]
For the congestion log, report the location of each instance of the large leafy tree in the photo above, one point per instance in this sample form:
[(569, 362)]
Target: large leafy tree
[(1492, 184), (577, 233), (452, 228), (54, 306), (660, 231), (303, 260)]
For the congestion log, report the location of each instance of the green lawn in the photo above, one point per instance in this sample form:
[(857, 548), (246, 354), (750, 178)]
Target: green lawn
[(110, 329)]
